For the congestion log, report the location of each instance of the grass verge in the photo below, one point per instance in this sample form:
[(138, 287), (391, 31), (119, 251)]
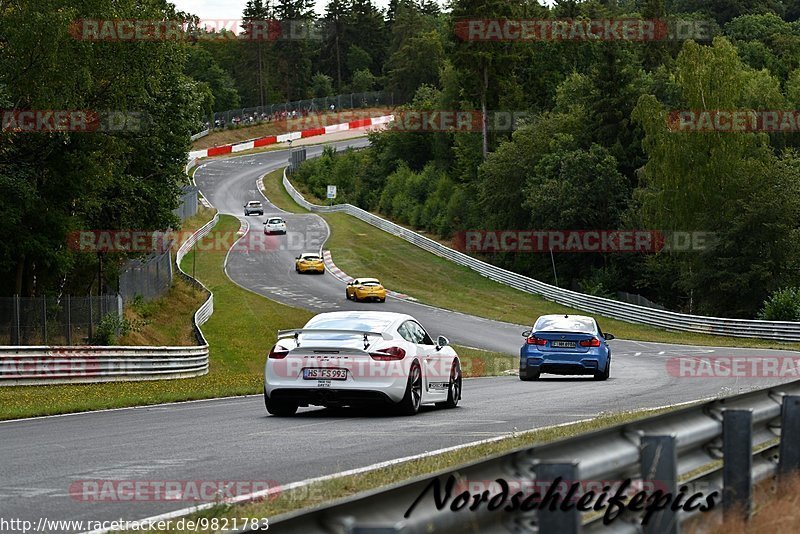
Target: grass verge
[(362, 250), (321, 492)]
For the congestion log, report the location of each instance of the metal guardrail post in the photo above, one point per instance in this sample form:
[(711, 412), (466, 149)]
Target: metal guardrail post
[(789, 459), (737, 468), (659, 459), (558, 521)]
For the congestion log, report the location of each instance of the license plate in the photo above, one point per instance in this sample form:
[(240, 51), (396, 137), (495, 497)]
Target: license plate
[(325, 374), (563, 344)]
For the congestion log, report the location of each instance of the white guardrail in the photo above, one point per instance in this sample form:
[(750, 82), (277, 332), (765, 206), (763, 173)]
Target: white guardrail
[(680, 322), (41, 365)]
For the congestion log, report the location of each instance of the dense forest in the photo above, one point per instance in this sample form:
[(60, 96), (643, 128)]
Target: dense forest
[(593, 151)]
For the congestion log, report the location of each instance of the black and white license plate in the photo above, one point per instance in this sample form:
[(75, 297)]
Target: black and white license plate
[(562, 344), (325, 374)]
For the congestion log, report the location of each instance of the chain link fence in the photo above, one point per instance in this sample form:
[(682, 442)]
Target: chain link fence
[(54, 320), (149, 278), (273, 112)]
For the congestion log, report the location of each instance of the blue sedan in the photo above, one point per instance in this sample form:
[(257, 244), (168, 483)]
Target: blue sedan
[(565, 345)]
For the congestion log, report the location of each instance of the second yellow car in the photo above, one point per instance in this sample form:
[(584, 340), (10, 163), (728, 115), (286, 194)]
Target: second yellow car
[(366, 289), (309, 263)]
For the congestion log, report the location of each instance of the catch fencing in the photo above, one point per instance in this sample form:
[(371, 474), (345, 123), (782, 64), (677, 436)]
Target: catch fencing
[(668, 320), (719, 448), (259, 114), (54, 320)]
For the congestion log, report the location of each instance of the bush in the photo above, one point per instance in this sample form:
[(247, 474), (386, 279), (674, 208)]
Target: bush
[(782, 305), (110, 328)]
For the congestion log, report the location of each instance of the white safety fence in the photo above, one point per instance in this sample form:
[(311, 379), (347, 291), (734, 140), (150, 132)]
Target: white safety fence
[(681, 322)]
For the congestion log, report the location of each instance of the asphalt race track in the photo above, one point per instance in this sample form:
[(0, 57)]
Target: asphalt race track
[(234, 439)]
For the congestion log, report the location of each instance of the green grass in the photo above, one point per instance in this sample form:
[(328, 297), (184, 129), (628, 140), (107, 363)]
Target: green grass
[(362, 250), (329, 490)]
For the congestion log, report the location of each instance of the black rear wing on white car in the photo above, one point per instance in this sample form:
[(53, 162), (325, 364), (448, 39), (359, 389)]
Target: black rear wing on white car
[(295, 333)]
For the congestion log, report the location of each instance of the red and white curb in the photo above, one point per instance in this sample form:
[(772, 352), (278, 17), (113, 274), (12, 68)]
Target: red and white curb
[(344, 277), (274, 139)]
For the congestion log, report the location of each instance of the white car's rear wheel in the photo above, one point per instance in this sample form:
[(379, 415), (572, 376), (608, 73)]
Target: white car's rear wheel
[(279, 408), (453, 389), (413, 397)]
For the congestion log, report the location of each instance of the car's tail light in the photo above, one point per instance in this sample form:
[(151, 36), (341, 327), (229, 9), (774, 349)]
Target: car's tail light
[(390, 354), (278, 352), (594, 342), (533, 340)]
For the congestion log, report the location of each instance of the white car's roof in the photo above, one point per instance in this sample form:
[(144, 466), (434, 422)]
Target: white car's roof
[(356, 320), (307, 254), (254, 203)]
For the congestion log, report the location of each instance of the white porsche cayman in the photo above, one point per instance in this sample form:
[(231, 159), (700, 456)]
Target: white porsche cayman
[(360, 357)]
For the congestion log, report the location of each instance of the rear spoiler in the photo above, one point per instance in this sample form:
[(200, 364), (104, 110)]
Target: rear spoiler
[(295, 333)]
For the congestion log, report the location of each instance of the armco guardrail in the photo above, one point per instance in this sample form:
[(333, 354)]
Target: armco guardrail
[(773, 330), (724, 446), (20, 366)]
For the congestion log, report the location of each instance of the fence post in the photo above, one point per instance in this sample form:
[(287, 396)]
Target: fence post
[(91, 318), (789, 459), (44, 317), (659, 461), (557, 521), (15, 334), (737, 457), (68, 321)]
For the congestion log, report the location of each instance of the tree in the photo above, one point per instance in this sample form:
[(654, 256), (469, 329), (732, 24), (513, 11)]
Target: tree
[(321, 85), (202, 67), (363, 81)]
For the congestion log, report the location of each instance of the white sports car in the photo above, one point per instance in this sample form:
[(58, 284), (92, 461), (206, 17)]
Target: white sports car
[(361, 357)]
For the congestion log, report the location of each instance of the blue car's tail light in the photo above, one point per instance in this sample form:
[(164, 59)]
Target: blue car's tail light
[(594, 342), (533, 340)]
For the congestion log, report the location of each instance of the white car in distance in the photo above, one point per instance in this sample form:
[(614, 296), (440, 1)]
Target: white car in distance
[(275, 225), (361, 358)]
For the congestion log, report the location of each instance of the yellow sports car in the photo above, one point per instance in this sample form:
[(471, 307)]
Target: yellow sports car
[(309, 263), (365, 289)]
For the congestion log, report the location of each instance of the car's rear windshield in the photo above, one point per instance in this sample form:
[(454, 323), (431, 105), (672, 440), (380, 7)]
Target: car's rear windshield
[(373, 324), (368, 324), (310, 257), (582, 325), (254, 203), (371, 283), (275, 221)]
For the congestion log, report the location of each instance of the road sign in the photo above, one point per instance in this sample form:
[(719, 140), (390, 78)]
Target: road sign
[(331, 191)]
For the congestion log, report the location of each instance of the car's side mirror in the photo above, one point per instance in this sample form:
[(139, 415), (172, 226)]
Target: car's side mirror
[(527, 333), (441, 342), (297, 258), (608, 336)]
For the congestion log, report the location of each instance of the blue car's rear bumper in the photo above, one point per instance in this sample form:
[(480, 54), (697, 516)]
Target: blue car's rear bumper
[(558, 363)]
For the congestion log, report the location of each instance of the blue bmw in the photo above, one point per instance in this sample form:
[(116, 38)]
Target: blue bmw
[(565, 345)]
